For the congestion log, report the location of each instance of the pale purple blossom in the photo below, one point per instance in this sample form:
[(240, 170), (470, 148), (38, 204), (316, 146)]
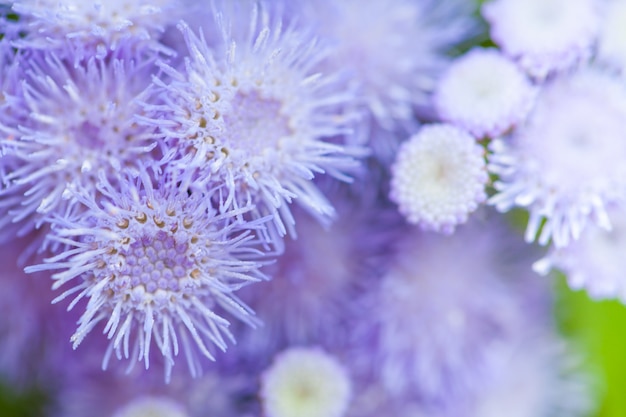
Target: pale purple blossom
[(564, 165), (252, 110), (484, 93)]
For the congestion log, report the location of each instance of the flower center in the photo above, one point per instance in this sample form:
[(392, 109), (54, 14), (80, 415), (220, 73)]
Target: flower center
[(157, 262), (256, 123)]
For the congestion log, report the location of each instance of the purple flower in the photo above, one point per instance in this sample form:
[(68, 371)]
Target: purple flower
[(67, 125), (254, 113), (439, 177), (155, 263), (393, 51), (484, 93)]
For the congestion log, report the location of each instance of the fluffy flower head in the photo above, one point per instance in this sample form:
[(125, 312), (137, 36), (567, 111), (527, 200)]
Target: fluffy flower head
[(437, 327), (612, 37), (439, 177), (484, 93), (80, 125), (564, 165), (154, 263)]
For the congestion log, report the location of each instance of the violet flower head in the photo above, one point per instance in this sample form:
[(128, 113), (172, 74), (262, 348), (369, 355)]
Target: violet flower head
[(544, 36), (305, 382), (154, 264), (253, 111), (611, 43), (564, 165), (539, 376), (68, 125), (442, 310)]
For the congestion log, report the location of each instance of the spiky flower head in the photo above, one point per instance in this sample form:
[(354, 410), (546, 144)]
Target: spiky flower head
[(484, 93), (439, 177), (93, 27), (256, 115), (564, 164), (595, 261), (394, 51), (543, 35), (155, 263), (305, 382), (68, 124)]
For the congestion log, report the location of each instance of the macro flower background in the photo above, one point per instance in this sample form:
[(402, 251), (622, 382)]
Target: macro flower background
[(298, 208)]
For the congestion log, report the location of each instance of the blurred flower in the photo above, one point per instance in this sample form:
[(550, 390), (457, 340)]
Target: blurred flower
[(305, 382), (151, 406), (66, 126), (539, 377), (394, 51), (595, 261), (441, 312), (484, 93), (311, 298), (564, 164), (94, 27), (254, 113), (439, 177), (544, 35), (154, 262), (612, 36)]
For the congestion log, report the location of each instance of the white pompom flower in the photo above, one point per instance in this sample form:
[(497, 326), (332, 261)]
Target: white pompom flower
[(439, 177), (543, 35), (305, 382), (484, 93)]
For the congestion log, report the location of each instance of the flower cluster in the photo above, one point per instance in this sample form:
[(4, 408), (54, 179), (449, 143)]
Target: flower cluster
[(295, 200)]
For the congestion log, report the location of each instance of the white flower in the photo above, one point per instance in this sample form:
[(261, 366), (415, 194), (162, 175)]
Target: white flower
[(612, 37), (484, 93), (439, 177), (151, 407), (305, 382), (543, 35)]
